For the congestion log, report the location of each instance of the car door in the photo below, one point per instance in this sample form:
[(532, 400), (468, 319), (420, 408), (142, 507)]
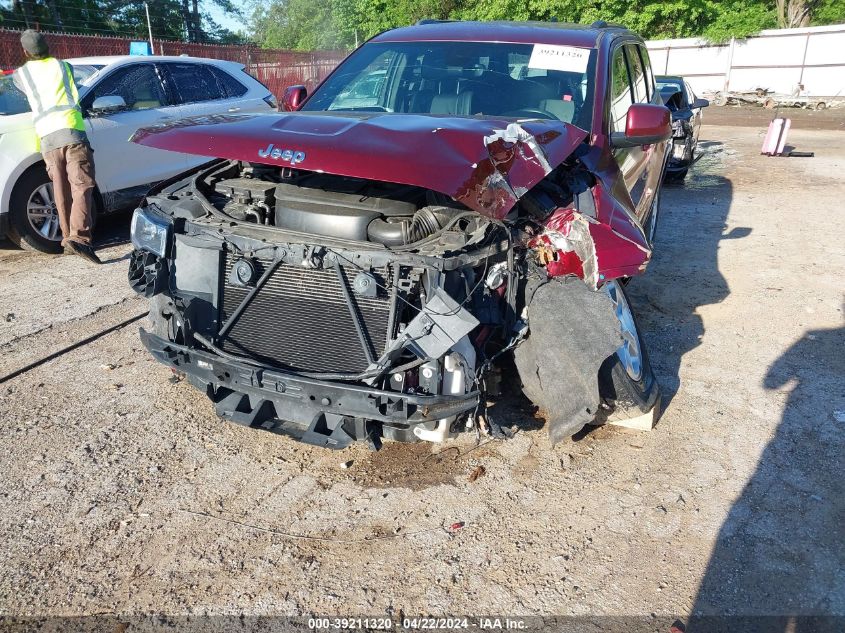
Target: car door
[(123, 166), (626, 88), (696, 112), (657, 153)]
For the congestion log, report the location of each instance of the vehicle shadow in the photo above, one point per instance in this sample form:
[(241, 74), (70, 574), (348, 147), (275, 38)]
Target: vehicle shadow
[(684, 272), (781, 550), (111, 230)]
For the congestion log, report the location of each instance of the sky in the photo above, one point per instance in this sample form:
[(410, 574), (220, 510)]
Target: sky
[(226, 21)]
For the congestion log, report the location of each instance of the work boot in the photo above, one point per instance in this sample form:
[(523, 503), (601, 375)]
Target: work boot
[(85, 251)]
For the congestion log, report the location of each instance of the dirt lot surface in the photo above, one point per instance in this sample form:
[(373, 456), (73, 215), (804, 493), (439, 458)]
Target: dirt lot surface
[(758, 116), (121, 492)]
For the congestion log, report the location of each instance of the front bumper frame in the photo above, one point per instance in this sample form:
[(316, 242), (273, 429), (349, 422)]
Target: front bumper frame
[(324, 413)]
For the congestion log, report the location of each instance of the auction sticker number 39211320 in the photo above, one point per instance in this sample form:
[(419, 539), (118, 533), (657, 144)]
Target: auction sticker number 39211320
[(566, 58)]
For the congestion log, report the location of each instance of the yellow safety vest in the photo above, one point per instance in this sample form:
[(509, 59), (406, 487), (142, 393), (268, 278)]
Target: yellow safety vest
[(52, 95)]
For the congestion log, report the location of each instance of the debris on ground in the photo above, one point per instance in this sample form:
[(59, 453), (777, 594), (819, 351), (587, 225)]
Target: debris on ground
[(477, 472)]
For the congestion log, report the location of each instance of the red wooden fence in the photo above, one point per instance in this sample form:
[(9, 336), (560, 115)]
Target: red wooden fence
[(275, 68)]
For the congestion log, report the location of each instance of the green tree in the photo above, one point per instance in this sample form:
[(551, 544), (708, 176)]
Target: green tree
[(170, 19), (304, 24)]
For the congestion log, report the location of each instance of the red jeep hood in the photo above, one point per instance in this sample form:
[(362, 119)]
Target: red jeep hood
[(487, 164)]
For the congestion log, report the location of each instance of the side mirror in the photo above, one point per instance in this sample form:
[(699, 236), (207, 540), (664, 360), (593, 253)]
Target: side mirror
[(645, 124), (700, 103), (106, 105), (293, 98)]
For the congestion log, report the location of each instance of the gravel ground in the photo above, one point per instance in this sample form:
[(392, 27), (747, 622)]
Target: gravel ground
[(122, 493)]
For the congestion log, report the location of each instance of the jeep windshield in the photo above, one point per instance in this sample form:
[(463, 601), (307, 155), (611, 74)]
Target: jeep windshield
[(520, 81)]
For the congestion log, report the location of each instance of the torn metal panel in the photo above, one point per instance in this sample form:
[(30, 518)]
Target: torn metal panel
[(596, 249), (487, 164), (567, 233)]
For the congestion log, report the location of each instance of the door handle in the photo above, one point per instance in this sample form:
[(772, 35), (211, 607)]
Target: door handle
[(234, 109)]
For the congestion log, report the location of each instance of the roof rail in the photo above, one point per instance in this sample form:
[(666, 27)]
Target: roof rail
[(603, 24), (432, 21)]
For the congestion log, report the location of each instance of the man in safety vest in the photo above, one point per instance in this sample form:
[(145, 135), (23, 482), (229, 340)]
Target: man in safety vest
[(49, 86)]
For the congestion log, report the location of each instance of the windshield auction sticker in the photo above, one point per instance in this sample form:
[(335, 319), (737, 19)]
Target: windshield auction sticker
[(567, 58)]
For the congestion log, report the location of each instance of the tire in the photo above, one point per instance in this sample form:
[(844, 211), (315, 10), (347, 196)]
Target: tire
[(32, 189), (821, 105), (627, 388), (675, 176)]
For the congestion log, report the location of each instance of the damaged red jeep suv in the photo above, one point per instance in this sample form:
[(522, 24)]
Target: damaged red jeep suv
[(453, 195)]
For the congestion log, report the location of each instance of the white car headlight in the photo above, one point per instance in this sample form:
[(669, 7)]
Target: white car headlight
[(151, 231)]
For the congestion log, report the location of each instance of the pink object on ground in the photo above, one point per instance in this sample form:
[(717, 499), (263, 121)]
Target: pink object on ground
[(776, 137)]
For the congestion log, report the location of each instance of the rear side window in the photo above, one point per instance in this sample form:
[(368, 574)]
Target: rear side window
[(230, 86), (139, 86), (638, 79), (194, 83), (620, 92), (649, 74)]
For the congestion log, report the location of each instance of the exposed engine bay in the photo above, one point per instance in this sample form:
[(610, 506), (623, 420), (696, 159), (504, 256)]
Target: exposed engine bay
[(335, 309)]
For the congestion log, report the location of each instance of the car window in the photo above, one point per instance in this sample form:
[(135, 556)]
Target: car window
[(81, 72), (638, 80), (12, 100), (512, 80), (194, 83), (366, 89), (649, 75), (672, 90), (690, 94), (230, 86), (138, 84), (620, 92)]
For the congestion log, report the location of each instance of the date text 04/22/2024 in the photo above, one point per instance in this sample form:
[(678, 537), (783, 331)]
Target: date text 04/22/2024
[(417, 624)]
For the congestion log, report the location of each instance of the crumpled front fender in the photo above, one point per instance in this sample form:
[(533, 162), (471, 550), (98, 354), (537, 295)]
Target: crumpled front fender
[(596, 243)]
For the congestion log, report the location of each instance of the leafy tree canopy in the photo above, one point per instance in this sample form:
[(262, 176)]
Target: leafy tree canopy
[(308, 24), (340, 24), (170, 19)]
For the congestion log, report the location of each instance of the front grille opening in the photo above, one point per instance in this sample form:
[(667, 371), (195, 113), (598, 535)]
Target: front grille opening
[(300, 319)]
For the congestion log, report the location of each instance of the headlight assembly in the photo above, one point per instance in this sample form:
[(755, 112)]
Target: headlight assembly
[(151, 231)]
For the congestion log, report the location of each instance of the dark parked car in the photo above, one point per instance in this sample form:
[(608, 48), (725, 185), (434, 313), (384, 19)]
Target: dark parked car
[(358, 269), (686, 123)]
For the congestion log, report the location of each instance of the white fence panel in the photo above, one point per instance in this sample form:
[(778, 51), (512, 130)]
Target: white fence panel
[(778, 60)]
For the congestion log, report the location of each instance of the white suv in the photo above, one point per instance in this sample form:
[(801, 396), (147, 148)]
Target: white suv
[(118, 95)]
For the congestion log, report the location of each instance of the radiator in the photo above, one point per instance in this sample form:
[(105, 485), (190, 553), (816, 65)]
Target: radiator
[(300, 319)]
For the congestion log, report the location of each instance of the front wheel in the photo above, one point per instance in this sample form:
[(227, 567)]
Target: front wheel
[(627, 385), (33, 216)]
